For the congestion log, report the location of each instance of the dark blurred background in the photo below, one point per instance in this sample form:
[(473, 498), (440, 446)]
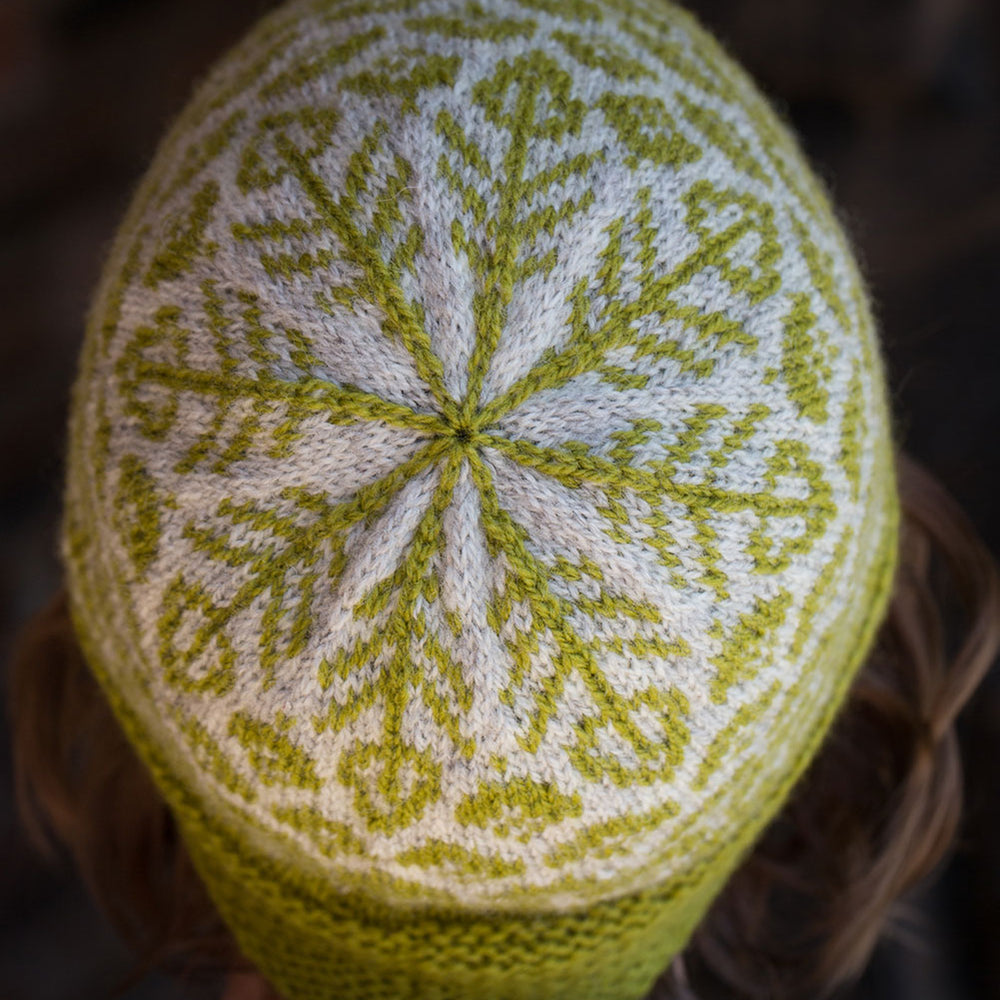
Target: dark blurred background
[(897, 103)]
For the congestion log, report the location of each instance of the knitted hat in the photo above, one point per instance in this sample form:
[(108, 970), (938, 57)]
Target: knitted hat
[(480, 489)]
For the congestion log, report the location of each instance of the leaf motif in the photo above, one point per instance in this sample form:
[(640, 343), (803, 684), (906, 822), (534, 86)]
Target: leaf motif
[(207, 664), (307, 129)]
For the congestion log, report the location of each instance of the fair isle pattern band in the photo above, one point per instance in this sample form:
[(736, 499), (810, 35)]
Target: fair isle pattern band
[(480, 482)]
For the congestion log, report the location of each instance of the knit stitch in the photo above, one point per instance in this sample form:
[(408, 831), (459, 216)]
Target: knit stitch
[(479, 489)]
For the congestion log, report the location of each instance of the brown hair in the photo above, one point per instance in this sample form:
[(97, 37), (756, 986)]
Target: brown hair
[(877, 810)]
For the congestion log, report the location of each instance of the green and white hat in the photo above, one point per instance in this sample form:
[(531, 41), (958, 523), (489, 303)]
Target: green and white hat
[(480, 489)]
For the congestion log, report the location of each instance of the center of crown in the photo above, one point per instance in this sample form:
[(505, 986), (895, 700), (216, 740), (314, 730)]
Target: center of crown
[(465, 426), (465, 433)]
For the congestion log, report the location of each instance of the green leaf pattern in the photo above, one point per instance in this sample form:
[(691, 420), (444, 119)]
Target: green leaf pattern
[(481, 414)]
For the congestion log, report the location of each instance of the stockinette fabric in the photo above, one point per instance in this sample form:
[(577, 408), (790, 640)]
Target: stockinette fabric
[(479, 489)]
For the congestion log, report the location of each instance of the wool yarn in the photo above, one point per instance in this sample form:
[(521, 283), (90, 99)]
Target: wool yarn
[(479, 489)]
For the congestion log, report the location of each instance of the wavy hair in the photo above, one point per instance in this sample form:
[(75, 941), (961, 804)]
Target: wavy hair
[(876, 812)]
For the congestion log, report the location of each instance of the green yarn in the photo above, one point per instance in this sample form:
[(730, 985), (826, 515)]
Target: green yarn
[(480, 490)]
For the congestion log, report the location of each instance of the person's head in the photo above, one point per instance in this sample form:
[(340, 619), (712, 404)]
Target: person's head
[(491, 570)]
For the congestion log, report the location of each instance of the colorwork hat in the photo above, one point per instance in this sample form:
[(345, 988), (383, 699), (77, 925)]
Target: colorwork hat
[(480, 489)]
